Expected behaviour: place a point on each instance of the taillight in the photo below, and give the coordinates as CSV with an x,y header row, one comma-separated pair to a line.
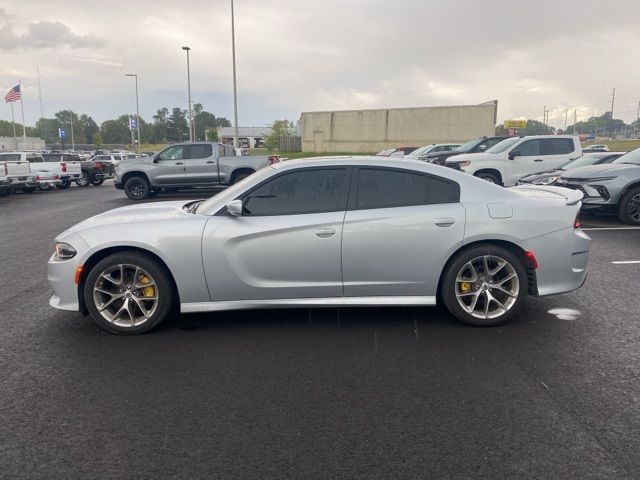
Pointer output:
x,y
56,177
273,159
576,223
37,178
533,263
98,165
64,166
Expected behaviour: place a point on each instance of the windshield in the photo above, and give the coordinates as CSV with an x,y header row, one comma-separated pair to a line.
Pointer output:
x,y
580,162
465,147
632,157
421,151
234,190
503,145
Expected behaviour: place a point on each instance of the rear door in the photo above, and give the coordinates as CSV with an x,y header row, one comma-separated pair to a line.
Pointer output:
x,y
286,245
170,166
400,228
558,151
202,163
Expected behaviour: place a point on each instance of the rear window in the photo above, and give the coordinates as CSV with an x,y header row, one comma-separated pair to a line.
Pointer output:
x,y
200,151
35,159
10,157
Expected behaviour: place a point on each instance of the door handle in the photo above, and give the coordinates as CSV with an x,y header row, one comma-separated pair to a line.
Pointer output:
x,y
211,161
444,222
178,163
538,160
326,232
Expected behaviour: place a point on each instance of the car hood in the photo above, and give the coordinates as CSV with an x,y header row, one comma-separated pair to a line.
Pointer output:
x,y
142,212
546,173
605,170
473,156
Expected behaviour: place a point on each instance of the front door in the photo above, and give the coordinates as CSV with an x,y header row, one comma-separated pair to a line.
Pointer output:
x,y
400,229
286,245
202,164
170,166
529,159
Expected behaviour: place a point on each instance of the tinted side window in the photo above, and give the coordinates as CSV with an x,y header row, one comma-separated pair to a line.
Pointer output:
x,y
200,151
10,157
380,188
559,146
441,190
35,159
491,142
529,148
307,191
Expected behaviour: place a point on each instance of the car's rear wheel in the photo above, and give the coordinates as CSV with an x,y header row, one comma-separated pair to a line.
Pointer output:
x,y
489,177
97,183
128,293
64,185
629,210
485,285
137,188
84,180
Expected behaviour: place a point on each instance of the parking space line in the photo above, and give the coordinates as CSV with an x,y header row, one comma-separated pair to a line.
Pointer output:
x,y
610,228
625,262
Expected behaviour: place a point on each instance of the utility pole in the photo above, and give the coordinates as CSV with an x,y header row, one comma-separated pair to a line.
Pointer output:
x,y
613,98
40,92
638,120
73,142
566,112
235,90
187,49
575,120
544,114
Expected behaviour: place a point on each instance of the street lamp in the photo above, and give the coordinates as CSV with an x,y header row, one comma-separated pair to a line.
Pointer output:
x,y
135,75
191,132
235,92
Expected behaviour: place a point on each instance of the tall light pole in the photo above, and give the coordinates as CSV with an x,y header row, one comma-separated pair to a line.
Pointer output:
x,y
235,89
187,49
135,75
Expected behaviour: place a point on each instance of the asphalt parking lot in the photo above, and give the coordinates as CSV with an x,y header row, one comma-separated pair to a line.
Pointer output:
x,y
355,393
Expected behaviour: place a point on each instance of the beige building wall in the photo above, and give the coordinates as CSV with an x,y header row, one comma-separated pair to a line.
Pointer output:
x,y
370,131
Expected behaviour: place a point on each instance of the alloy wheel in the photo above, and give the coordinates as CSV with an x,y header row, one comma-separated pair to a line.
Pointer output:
x,y
487,287
125,295
136,189
634,208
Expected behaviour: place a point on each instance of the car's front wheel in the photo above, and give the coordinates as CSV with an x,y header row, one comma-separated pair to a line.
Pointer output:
x,y
137,188
128,293
629,210
489,177
484,285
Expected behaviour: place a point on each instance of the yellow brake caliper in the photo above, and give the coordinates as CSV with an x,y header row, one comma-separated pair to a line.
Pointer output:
x,y
146,291
465,287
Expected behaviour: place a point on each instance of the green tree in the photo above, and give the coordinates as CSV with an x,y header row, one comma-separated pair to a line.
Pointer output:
x,y
116,131
212,135
160,126
97,140
178,126
89,126
278,128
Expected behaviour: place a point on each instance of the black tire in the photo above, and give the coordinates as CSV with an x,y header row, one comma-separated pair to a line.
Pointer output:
x,y
137,188
64,185
97,183
449,285
240,176
629,209
165,291
28,189
84,180
5,191
489,177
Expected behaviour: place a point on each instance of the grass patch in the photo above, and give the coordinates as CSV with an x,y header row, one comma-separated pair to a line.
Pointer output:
x,y
619,145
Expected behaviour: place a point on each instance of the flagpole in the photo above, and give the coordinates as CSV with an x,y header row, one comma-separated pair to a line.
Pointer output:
x,y
13,120
24,127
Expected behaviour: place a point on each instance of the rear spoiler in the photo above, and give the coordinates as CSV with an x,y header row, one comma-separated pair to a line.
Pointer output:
x,y
572,197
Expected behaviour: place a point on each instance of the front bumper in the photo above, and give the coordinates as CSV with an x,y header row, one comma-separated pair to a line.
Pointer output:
x,y
61,274
562,260
597,194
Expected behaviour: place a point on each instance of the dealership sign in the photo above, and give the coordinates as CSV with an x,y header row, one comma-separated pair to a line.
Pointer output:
x,y
515,124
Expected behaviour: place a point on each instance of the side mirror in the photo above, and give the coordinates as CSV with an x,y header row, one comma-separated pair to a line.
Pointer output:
x,y
234,207
514,154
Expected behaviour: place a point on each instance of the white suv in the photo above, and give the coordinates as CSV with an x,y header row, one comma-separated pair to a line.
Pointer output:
x,y
510,160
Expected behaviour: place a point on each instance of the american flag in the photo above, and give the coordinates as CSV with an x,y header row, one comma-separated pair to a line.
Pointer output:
x,y
13,95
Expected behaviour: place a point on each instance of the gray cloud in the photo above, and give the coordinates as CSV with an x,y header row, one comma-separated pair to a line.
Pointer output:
x,y
43,34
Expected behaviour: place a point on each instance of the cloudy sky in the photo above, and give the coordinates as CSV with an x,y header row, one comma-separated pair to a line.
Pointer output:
x,y
303,55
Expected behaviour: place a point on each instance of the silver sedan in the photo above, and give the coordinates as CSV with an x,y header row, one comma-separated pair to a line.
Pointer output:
x,y
330,232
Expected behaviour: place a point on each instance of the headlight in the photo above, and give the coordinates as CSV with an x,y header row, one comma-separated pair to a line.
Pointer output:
x,y
464,163
64,251
545,180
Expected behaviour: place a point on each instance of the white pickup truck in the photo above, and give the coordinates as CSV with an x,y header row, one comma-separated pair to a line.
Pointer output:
x,y
14,173
58,163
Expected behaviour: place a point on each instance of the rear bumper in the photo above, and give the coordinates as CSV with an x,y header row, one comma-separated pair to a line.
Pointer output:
x,y
562,260
67,177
